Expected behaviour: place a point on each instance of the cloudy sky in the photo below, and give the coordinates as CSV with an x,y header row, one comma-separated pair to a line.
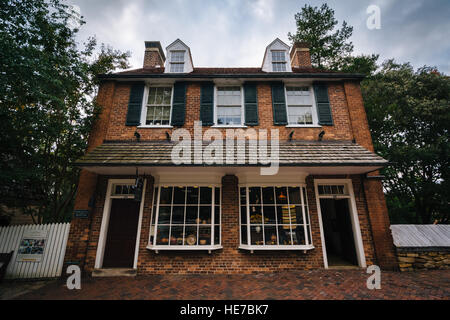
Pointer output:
x,y
227,33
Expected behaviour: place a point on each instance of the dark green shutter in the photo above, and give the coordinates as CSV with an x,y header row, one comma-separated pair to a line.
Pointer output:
x,y
207,104
179,104
323,104
251,104
279,104
135,104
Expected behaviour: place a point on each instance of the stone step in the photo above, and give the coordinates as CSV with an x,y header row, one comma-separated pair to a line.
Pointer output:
x,y
114,272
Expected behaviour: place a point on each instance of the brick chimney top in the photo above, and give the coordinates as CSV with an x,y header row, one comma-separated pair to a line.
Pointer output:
x,y
300,57
154,55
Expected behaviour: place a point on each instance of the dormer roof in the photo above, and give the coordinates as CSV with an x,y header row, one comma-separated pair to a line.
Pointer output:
x,y
179,45
276,45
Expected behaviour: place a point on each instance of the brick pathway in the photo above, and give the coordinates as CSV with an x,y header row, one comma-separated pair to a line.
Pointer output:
x,y
317,284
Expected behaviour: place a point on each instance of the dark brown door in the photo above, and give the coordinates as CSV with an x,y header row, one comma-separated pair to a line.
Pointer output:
x,y
346,230
122,231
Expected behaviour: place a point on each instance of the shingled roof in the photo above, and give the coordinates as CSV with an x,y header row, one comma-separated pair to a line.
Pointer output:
x,y
296,153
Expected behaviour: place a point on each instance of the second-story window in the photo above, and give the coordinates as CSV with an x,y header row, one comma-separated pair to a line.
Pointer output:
x,y
158,106
229,106
177,61
299,105
278,61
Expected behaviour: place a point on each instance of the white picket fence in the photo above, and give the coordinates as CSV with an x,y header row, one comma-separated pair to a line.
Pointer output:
x,y
51,263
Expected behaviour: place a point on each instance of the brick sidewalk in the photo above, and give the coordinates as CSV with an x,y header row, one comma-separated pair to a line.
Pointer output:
x,y
317,284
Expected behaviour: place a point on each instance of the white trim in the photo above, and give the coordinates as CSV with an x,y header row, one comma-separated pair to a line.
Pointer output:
x,y
315,116
242,125
145,106
184,248
276,247
359,247
105,221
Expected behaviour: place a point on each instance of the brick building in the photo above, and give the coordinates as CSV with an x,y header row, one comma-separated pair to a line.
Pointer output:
x,y
220,210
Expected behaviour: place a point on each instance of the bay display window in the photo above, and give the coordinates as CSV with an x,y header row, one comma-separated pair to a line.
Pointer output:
x,y
229,106
278,61
186,217
300,106
158,106
177,61
274,218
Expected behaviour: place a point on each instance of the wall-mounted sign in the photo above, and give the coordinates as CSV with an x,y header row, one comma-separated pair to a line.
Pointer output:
x,y
32,246
81,213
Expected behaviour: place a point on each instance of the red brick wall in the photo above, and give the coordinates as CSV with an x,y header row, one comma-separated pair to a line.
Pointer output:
x,y
152,58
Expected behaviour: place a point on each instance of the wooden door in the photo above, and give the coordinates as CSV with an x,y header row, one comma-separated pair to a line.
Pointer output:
x,y
122,231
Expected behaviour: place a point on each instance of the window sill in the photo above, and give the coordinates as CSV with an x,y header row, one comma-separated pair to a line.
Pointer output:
x,y
155,127
276,248
303,126
229,127
184,248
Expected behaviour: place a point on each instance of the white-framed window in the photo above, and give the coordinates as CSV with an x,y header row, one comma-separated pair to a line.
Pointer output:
x,y
300,105
157,109
186,218
274,217
229,102
177,61
278,61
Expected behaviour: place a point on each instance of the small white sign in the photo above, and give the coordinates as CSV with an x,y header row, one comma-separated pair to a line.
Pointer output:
x,y
32,245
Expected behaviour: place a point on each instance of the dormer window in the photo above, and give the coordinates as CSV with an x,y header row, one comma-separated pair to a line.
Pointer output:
x,y
278,61
177,61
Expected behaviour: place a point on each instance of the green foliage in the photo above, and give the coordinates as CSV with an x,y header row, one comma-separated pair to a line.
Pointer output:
x,y
409,117
316,26
47,106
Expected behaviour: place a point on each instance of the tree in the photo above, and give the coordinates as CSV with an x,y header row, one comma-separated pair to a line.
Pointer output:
x,y
47,105
316,26
409,115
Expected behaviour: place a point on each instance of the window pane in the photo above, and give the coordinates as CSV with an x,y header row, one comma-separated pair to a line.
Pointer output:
x,y
191,214
204,236
255,215
177,56
255,195
164,215
162,237
217,235
296,214
176,236
294,195
284,235
176,67
269,214
244,234
278,66
217,215
268,195
179,195
243,196
243,215
281,194
190,236
205,195
256,235
151,95
178,215
298,235
300,114
192,195
217,195
283,215
278,56
205,215
166,195
270,235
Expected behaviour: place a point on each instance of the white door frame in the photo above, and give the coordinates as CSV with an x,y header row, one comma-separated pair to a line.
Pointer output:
x,y
105,221
359,247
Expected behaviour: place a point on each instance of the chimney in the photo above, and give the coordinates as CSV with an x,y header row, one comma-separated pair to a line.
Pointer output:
x,y
154,55
300,57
